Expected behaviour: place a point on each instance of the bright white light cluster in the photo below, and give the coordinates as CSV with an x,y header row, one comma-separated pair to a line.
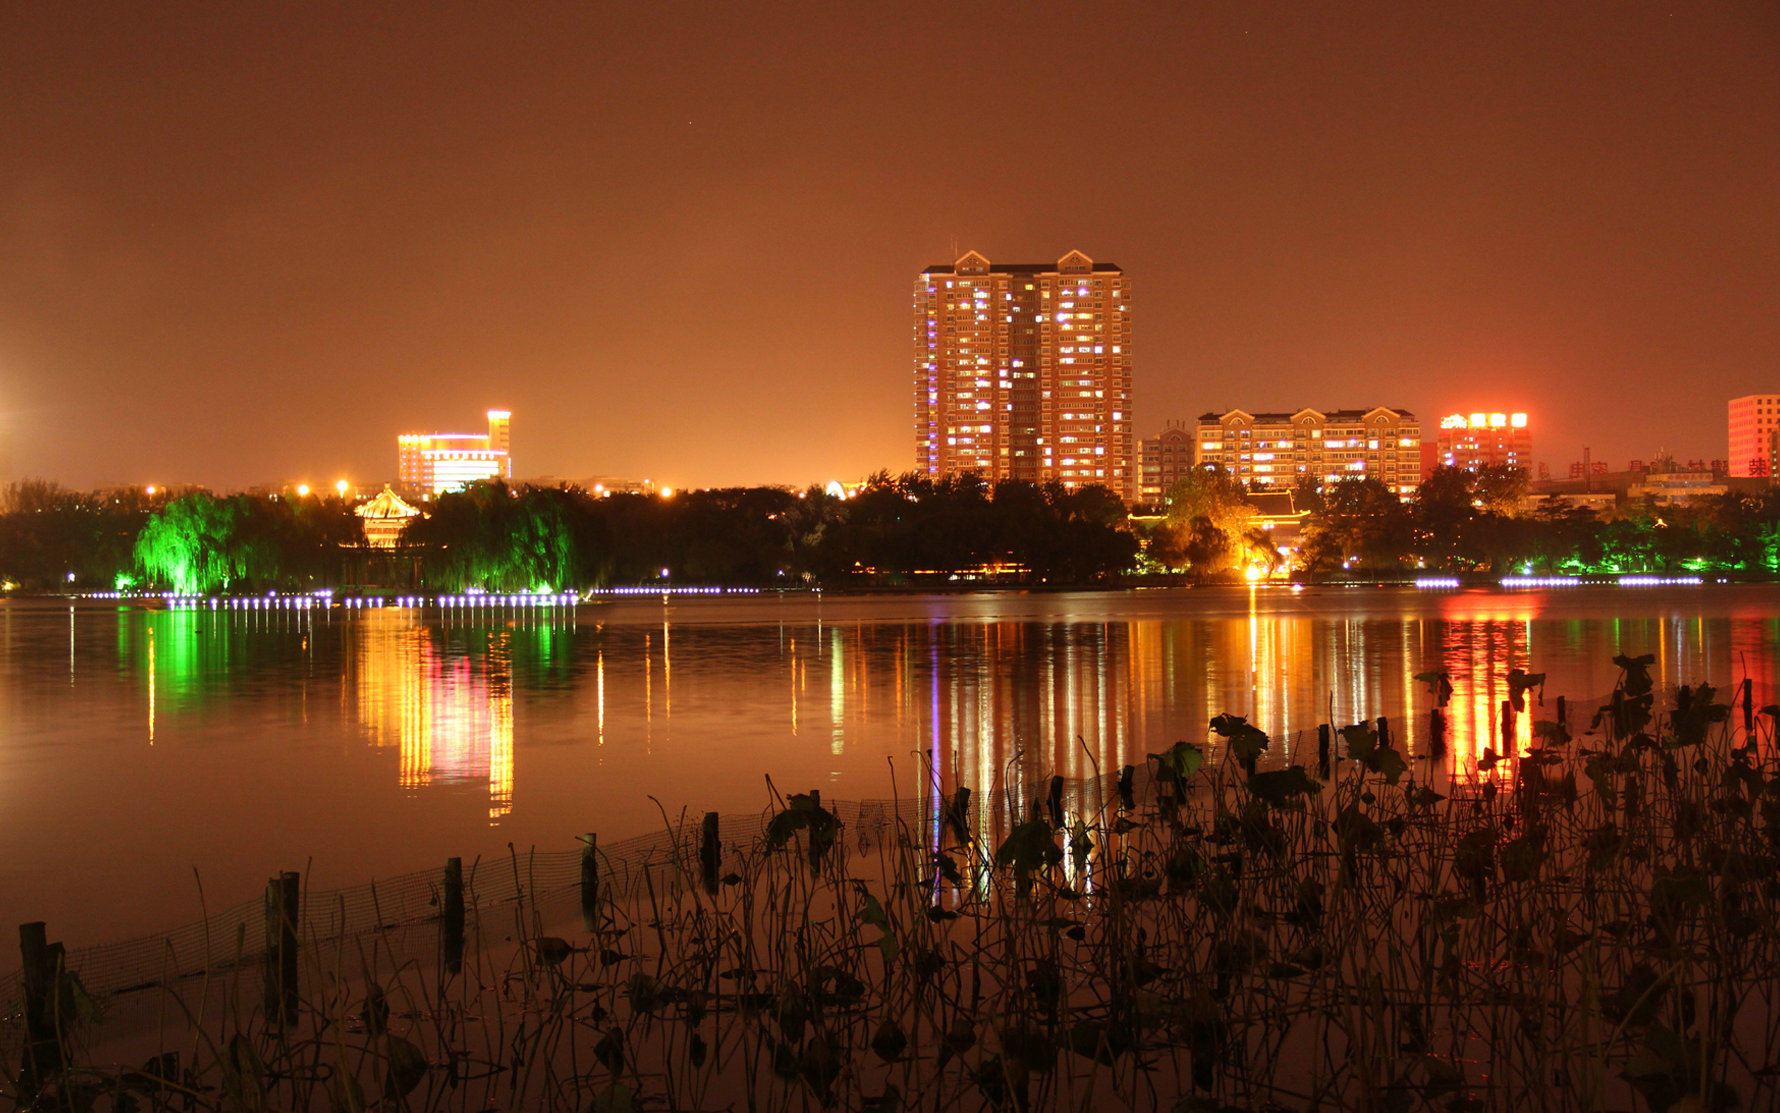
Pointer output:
x,y
256,603
483,599
1540,581
1660,581
1436,583
271,601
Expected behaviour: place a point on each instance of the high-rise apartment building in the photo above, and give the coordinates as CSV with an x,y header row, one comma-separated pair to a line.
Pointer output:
x,y
1755,435
1276,449
429,464
1023,371
1484,440
1163,459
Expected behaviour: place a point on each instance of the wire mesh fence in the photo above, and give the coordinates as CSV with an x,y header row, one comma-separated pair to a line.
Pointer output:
x,y
235,938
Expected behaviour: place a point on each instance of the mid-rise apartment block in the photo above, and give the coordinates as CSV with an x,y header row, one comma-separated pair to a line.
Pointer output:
x,y
1278,449
1023,371
1484,440
1164,459
429,464
1755,435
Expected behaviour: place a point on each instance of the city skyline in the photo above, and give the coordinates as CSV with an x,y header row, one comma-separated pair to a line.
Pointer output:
x,y
240,238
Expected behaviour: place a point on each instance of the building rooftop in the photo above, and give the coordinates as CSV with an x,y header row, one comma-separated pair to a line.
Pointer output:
x,y
1326,415
1272,504
1021,268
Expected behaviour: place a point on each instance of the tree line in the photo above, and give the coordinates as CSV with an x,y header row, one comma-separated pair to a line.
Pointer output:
x,y
1458,522
894,530
906,530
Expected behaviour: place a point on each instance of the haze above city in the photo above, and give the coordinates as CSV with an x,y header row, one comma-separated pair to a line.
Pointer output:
x,y
250,244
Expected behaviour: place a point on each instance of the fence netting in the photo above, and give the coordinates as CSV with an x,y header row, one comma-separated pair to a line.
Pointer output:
x,y
234,939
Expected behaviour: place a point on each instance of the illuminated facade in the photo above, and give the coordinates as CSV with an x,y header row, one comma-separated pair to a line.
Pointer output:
x,y
1164,458
429,464
1485,440
1755,435
1278,449
1023,371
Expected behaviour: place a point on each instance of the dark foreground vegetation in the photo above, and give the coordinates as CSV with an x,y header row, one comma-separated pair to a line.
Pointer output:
x,y
1590,925
894,531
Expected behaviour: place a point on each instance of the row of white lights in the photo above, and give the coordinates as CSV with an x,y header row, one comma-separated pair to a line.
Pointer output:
x,y
674,591
1437,583
272,601
246,603
480,599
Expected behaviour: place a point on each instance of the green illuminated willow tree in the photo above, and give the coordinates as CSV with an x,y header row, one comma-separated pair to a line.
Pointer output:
x,y
503,538
188,544
199,542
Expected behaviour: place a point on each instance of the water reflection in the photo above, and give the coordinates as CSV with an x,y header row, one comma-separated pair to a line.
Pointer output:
x,y
444,702
439,694
1482,639
1005,704
387,738
988,699
993,702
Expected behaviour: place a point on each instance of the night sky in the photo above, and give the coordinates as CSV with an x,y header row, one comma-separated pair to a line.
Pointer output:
x,y
249,243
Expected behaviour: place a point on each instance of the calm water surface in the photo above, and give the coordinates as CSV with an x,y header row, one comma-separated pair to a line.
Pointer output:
x,y
142,750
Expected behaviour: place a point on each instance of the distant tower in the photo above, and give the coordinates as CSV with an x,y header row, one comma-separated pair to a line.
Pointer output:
x,y
1485,440
1023,371
500,437
1755,435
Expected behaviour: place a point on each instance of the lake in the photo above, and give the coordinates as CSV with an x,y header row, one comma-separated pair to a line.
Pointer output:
x,y
144,750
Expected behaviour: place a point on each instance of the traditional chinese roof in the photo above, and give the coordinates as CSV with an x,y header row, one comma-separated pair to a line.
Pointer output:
x,y
1272,504
387,505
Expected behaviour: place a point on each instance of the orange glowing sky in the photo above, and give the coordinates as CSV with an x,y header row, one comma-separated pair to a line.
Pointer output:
x,y
249,243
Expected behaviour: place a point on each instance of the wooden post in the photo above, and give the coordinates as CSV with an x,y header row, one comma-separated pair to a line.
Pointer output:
x,y
1436,733
1126,776
1384,732
43,1049
1054,802
283,894
451,918
1562,713
590,881
818,848
957,814
1507,728
710,855
1322,751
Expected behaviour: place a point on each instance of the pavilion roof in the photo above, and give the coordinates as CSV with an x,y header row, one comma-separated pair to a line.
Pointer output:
x,y
387,504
